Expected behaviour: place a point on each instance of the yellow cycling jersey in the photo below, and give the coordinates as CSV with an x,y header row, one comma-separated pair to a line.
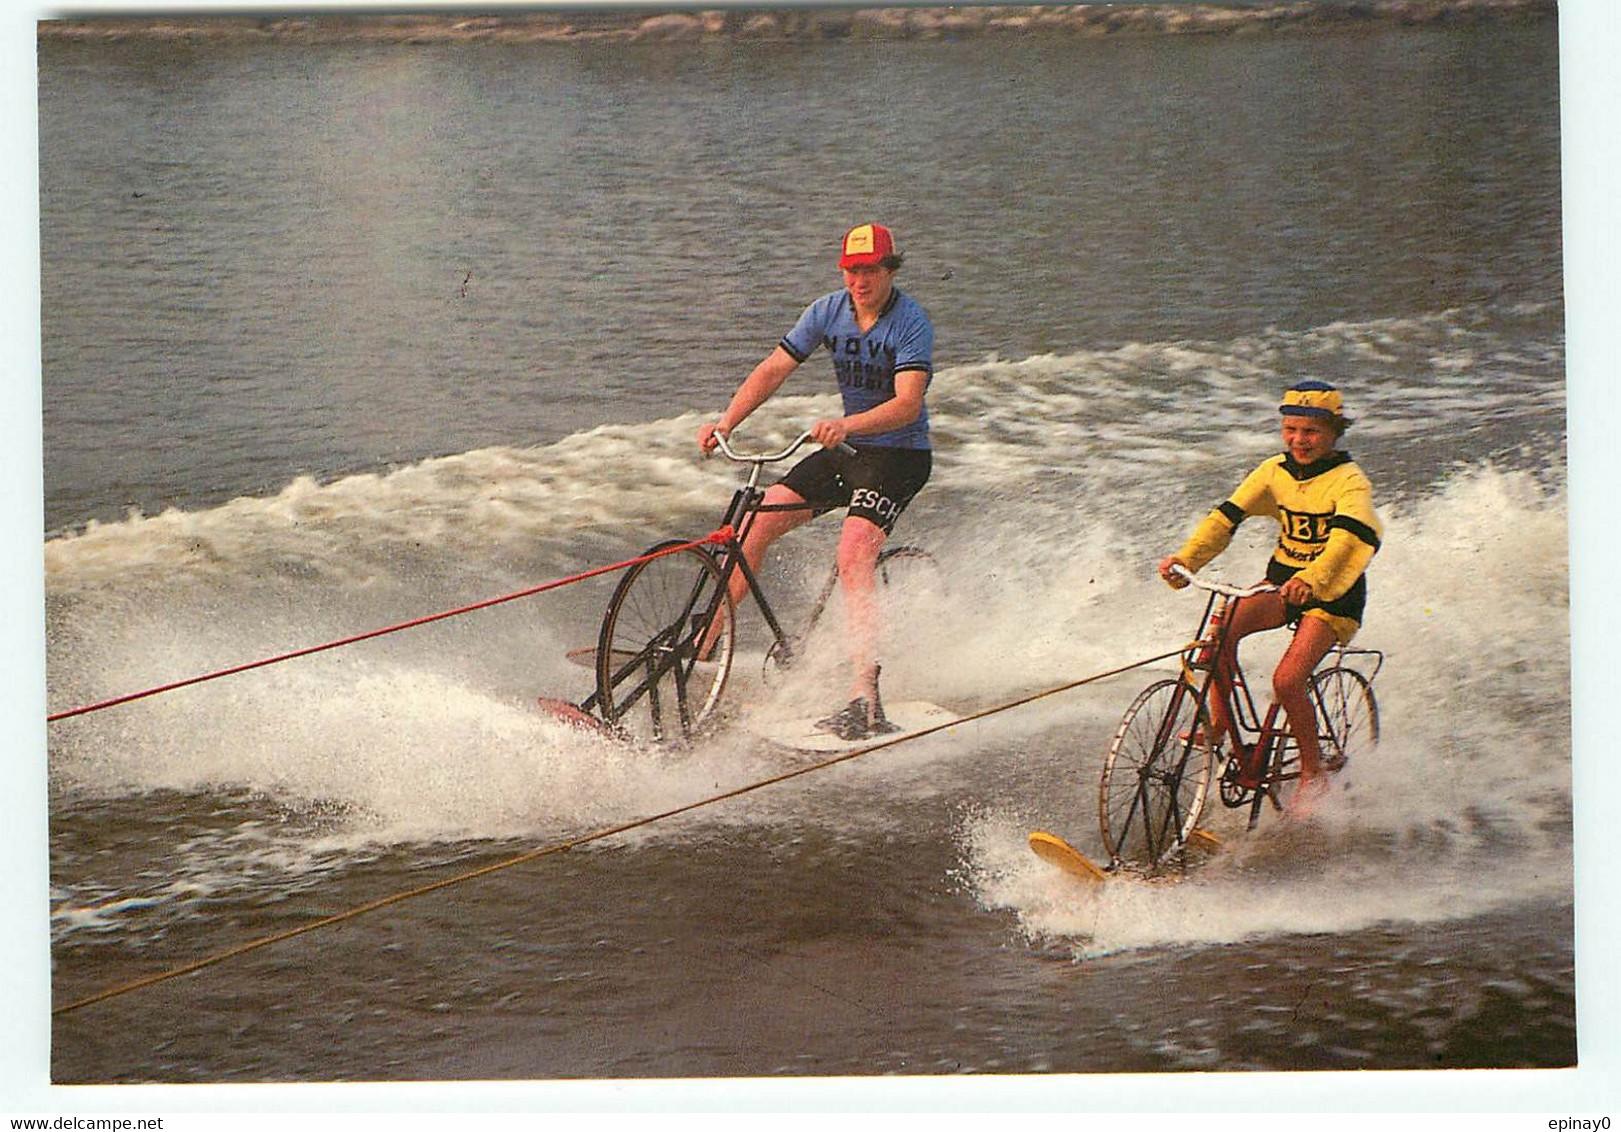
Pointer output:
x,y
1327,529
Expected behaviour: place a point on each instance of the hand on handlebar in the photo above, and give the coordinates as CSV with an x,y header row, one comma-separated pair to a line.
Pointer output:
x,y
1174,580
830,433
1295,591
707,434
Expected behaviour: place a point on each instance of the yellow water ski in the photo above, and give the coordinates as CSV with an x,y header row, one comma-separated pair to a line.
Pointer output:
x,y
1056,851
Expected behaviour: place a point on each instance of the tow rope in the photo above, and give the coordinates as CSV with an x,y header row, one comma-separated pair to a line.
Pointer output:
x,y
715,537
585,839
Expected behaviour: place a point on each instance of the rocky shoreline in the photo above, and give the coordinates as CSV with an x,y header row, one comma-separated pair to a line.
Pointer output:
x,y
803,23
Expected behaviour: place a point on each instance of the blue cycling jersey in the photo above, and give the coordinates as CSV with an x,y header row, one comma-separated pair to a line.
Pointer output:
x,y
866,364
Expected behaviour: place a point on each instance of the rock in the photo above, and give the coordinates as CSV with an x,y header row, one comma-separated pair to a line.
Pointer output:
x,y
807,23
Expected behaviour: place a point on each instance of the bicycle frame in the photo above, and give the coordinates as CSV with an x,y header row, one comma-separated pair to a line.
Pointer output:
x,y
746,505
1243,716
1245,720
1157,772
668,638
666,652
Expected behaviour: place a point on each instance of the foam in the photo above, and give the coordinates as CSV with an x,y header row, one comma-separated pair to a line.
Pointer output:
x,y
1060,480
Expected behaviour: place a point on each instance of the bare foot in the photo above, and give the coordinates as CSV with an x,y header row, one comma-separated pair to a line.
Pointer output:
x,y
1308,795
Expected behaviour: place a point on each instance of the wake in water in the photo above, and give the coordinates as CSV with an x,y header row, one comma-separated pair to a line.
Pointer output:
x,y
1061,479
1463,808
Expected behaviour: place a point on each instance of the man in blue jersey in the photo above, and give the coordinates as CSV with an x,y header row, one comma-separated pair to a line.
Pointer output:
x,y
882,347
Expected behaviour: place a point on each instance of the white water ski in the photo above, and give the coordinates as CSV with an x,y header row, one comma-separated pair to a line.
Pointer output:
x,y
910,716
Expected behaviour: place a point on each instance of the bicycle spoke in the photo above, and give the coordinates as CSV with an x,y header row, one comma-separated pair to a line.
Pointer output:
x,y
649,681
1155,775
1347,715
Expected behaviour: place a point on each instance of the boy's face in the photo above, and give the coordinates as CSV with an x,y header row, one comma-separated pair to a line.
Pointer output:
x,y
1308,439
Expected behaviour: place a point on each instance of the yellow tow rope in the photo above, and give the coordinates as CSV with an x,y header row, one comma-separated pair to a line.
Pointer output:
x,y
584,839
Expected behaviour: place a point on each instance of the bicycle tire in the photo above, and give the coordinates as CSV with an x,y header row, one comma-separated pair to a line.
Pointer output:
x,y
894,559
1155,777
1347,715
911,587
650,683
904,574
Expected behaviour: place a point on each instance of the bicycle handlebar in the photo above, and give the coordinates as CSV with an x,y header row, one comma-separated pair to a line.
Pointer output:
x,y
1221,587
761,458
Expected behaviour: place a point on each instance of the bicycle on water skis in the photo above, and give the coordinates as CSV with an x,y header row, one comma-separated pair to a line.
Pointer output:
x,y
668,638
1157,773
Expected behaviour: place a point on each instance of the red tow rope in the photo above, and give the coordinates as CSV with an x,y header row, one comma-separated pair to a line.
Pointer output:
x,y
721,535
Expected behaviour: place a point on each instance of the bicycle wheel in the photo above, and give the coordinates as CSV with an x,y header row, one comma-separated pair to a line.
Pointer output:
x,y
910,569
1347,726
1156,775
1347,715
910,585
911,592
650,682
910,582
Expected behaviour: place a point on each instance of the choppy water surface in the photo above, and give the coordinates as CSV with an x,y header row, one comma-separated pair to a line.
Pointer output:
x,y
361,333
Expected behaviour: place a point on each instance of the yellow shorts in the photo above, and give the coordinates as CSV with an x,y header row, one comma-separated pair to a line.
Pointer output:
x,y
1344,627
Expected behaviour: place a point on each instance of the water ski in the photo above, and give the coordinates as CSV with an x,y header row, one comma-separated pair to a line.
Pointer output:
x,y
909,716
572,715
585,657
1056,851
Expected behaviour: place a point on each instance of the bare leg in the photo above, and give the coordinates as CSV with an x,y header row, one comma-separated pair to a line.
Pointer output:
x,y
1247,615
1312,641
860,542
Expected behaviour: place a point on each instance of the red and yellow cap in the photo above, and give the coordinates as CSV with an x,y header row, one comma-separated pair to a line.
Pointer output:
x,y
1312,399
866,244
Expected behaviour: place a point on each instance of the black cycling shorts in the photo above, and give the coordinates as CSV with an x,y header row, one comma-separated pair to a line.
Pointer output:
x,y
1349,605
876,483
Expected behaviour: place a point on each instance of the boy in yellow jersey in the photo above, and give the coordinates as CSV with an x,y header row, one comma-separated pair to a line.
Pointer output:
x,y
1328,533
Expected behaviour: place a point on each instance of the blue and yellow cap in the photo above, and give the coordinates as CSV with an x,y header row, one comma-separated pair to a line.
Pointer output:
x,y
1313,399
